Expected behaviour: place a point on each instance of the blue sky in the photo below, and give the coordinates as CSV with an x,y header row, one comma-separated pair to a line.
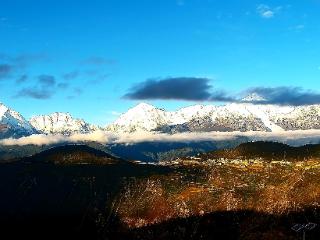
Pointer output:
x,y
84,56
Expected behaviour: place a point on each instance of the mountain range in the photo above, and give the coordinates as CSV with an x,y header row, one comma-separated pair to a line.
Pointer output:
x,y
243,117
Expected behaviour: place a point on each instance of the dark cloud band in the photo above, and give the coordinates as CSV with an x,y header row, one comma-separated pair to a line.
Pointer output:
x,y
293,96
5,70
199,89
45,88
183,88
34,93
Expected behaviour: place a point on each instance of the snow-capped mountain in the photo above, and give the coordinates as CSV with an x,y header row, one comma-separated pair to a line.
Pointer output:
x,y
300,118
143,117
253,97
60,123
12,124
243,116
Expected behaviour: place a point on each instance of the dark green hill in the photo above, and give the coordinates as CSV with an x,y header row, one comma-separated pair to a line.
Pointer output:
x,y
266,151
73,154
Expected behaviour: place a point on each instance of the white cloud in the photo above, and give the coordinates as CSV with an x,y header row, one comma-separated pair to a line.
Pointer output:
x,y
42,139
298,137
36,139
266,11
267,14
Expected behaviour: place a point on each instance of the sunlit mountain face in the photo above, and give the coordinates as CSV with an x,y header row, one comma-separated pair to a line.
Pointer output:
x,y
178,119
242,117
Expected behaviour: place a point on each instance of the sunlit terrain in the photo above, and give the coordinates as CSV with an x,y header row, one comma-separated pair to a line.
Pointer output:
x,y
277,188
79,191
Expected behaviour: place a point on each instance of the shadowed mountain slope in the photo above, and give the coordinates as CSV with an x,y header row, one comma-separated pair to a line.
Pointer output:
x,y
266,151
73,154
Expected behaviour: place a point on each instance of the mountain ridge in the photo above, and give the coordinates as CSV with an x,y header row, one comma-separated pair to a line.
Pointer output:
x,y
265,150
61,123
240,117
13,124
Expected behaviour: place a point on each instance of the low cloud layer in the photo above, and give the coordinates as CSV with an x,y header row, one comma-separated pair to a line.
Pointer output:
x,y
42,139
299,137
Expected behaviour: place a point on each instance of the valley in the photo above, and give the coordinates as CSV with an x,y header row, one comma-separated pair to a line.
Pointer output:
x,y
78,191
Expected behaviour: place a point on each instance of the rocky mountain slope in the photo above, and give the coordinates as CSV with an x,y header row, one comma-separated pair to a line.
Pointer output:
x,y
13,124
243,117
60,123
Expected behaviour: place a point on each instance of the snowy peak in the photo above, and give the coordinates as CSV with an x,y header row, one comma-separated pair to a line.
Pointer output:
x,y
143,117
254,97
60,123
13,124
143,107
